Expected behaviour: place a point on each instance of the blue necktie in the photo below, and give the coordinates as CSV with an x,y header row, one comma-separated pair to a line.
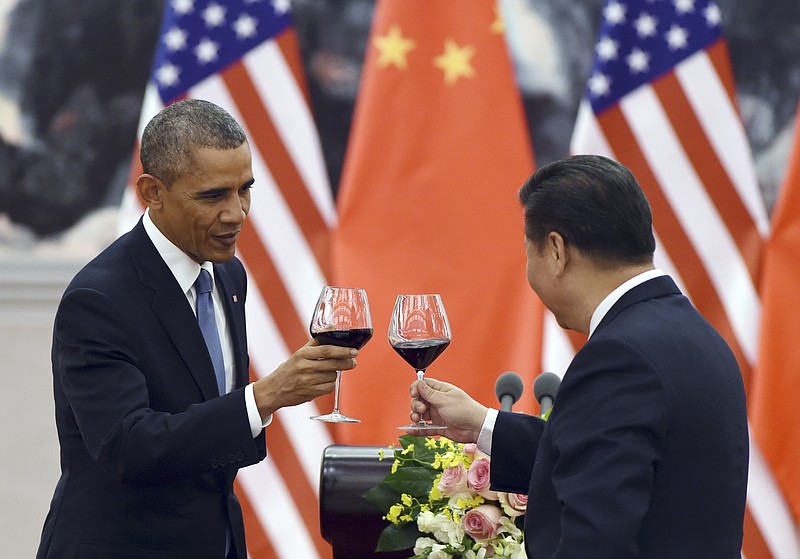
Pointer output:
x,y
208,326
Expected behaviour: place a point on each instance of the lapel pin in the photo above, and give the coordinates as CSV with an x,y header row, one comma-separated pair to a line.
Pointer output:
x,y
235,299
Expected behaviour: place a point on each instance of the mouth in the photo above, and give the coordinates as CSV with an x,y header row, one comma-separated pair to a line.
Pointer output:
x,y
227,239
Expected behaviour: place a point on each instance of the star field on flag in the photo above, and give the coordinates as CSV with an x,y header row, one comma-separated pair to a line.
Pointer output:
x,y
200,38
639,41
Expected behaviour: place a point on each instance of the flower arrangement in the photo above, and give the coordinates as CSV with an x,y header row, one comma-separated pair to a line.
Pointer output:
x,y
438,502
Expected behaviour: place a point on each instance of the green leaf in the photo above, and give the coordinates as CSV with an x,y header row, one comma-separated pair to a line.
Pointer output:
x,y
414,480
395,538
382,496
407,440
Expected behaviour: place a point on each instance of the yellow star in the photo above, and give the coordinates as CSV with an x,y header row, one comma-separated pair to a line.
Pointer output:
x,y
498,26
394,48
455,62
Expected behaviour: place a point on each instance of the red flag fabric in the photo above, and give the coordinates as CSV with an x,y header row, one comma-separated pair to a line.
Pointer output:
x,y
244,56
427,204
774,414
661,100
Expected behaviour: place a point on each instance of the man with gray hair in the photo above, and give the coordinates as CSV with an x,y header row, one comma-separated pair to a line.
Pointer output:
x,y
154,409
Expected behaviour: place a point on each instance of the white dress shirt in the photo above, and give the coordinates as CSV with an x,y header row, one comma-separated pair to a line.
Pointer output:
x,y
186,271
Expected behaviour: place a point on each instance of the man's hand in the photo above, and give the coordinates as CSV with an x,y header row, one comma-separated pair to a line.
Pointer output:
x,y
309,373
446,404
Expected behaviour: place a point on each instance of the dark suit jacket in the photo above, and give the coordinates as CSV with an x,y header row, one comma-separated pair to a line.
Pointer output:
x,y
149,451
646,448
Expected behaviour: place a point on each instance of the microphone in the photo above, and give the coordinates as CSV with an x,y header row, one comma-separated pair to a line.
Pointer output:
x,y
544,388
508,388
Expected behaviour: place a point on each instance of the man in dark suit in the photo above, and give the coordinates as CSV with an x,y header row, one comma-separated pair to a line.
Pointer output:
x,y
151,433
645,451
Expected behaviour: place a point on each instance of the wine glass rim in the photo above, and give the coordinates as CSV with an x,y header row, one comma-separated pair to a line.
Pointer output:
x,y
343,287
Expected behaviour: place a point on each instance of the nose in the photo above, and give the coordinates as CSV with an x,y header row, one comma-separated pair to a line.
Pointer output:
x,y
235,210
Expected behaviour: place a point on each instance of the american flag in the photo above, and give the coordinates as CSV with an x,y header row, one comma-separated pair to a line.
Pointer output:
x,y
661,100
243,55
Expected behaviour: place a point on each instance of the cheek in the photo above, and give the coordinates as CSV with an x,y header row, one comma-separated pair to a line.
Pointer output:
x,y
529,270
204,218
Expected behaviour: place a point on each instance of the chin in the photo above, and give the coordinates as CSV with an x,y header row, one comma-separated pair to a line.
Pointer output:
x,y
221,256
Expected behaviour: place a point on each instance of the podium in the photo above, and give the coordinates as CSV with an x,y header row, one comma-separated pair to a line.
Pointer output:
x,y
350,523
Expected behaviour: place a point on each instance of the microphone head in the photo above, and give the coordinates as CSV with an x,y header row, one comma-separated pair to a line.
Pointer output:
x,y
509,384
546,384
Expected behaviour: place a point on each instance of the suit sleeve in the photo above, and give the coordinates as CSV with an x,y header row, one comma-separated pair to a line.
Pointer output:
x,y
515,440
99,360
607,430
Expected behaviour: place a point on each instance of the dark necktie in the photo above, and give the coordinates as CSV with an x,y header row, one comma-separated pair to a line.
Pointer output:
x,y
208,326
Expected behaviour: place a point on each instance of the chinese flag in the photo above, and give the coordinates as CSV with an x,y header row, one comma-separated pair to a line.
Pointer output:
x,y
774,411
428,204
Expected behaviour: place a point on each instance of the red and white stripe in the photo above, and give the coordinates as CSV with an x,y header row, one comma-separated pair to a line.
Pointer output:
x,y
284,249
682,137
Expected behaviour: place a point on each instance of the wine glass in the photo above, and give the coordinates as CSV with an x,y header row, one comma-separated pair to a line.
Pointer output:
x,y
341,318
419,331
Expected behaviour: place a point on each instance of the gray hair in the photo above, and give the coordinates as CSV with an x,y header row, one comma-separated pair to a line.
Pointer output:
x,y
170,138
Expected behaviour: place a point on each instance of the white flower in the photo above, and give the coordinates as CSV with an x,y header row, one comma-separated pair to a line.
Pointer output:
x,y
515,550
429,522
442,528
452,533
510,547
438,553
432,548
507,526
471,554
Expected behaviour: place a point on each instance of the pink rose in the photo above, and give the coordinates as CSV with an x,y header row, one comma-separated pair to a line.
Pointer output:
x,y
478,478
482,523
454,480
514,504
470,448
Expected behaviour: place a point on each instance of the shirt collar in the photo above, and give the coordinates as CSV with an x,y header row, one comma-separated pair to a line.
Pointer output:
x,y
606,304
182,267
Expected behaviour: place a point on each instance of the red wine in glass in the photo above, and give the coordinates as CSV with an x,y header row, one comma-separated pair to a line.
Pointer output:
x,y
421,353
355,337
341,318
419,332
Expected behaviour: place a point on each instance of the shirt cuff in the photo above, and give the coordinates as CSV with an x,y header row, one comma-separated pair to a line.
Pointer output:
x,y
487,430
256,425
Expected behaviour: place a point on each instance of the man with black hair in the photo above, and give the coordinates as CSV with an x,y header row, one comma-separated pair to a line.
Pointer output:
x,y
645,451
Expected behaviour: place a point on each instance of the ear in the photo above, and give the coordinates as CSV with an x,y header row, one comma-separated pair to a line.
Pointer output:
x,y
149,188
557,251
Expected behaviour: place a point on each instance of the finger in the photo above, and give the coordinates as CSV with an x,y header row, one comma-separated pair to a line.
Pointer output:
x,y
431,384
331,352
425,390
326,387
316,366
344,364
418,407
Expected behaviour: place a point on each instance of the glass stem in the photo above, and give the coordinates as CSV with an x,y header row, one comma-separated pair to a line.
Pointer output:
x,y
421,376
336,393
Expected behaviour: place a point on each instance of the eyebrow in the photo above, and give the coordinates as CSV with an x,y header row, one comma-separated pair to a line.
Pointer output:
x,y
220,189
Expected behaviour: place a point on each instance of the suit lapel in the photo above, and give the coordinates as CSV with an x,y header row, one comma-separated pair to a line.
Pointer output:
x,y
233,303
173,311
